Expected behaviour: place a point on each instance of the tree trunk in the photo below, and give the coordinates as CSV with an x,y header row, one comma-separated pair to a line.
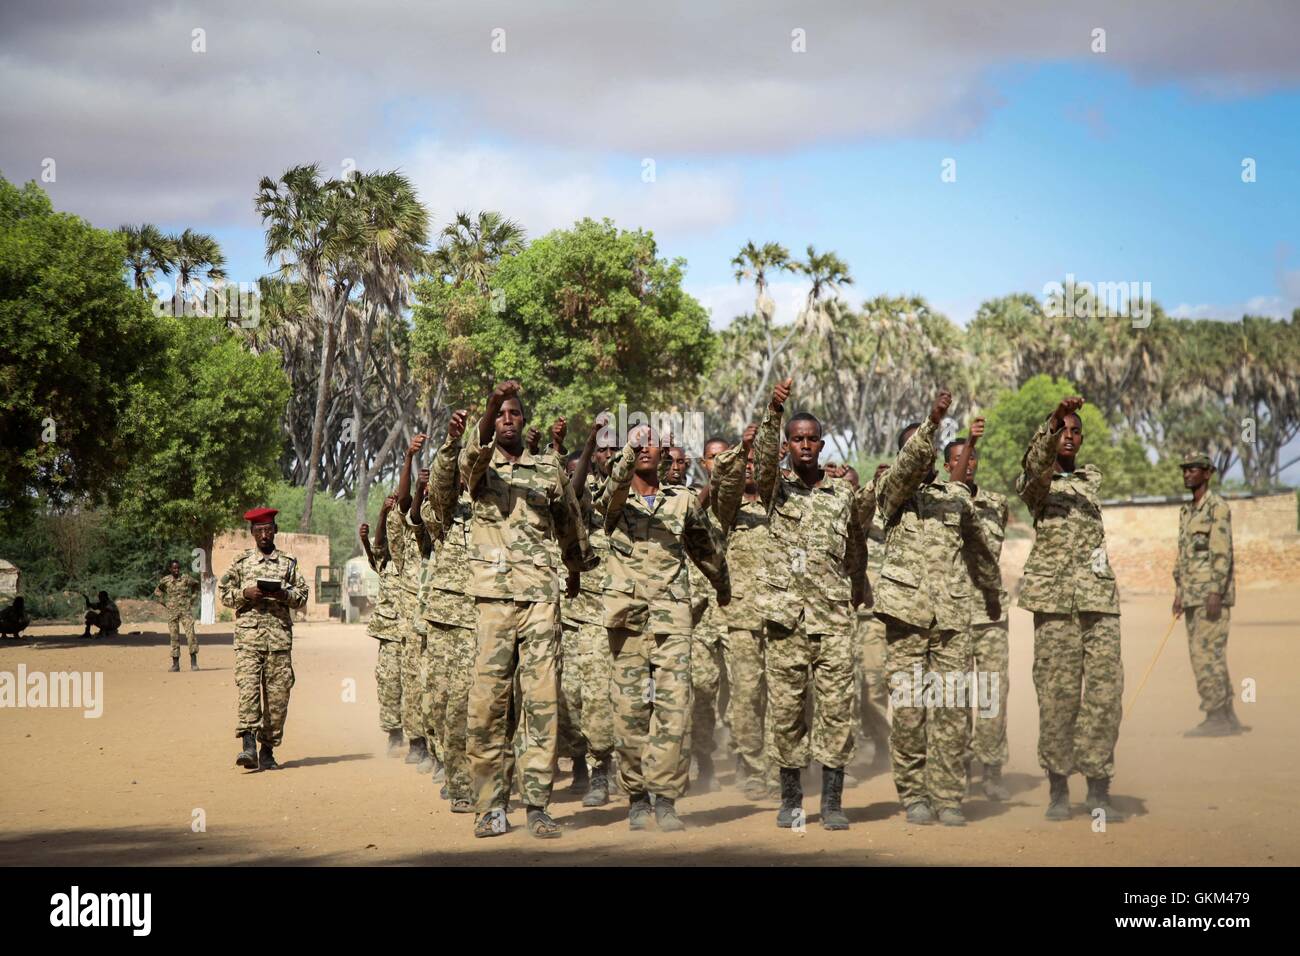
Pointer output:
x,y
208,585
322,396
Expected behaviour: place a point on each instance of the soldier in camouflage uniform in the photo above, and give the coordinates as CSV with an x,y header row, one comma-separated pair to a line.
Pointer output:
x,y
1070,588
1204,590
448,614
383,627
816,567
872,723
406,549
652,530
935,547
263,586
990,650
525,524
176,592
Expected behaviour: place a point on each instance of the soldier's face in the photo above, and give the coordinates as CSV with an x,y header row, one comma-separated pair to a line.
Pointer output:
x,y
510,422
750,487
175,569
805,441
264,536
971,466
677,467
601,457
1194,476
1071,437
711,451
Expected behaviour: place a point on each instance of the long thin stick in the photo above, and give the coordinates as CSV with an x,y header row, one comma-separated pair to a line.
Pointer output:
x,y
1150,667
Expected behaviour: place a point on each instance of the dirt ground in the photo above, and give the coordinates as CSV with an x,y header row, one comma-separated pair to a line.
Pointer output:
x,y
124,789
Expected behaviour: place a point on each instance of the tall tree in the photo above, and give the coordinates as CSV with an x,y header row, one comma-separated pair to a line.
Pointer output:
x,y
471,247
195,256
753,263
148,252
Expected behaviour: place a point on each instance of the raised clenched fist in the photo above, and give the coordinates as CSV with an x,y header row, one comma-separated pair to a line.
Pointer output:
x,y
456,427
939,409
781,394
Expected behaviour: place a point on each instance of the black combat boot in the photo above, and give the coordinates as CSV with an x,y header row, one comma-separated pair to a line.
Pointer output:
x,y
833,817
666,815
791,798
706,782
1215,724
598,791
395,741
1058,801
418,751
266,759
176,665
1099,799
581,779
639,811
993,787
194,662
248,756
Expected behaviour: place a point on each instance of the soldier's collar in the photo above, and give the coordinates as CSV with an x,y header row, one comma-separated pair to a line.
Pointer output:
x,y
500,457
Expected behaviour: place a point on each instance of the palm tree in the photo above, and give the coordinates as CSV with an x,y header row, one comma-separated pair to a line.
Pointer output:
x,y
148,252
471,248
195,255
827,273
753,262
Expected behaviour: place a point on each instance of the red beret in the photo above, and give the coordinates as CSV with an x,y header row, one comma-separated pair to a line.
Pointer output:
x,y
257,515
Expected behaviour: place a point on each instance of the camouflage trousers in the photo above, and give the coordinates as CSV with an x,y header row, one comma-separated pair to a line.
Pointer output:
x,y
1079,678
174,625
388,682
1208,643
264,679
514,639
742,653
452,675
872,699
652,711
596,675
798,664
928,691
706,681
990,653
415,667
571,743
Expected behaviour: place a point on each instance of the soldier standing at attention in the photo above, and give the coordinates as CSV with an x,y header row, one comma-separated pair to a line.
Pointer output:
x,y
177,593
935,546
383,627
404,546
816,568
1070,588
263,587
1205,591
652,530
988,641
525,524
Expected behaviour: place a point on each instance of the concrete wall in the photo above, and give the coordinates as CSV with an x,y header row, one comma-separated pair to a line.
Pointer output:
x,y
1142,540
310,550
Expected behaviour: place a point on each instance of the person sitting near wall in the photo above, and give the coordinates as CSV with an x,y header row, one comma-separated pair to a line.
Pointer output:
x,y
102,614
14,619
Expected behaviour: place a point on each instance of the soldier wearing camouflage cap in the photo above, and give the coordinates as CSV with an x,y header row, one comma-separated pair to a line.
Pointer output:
x,y
1204,591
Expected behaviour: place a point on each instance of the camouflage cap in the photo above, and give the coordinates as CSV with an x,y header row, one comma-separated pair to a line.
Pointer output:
x,y
1197,459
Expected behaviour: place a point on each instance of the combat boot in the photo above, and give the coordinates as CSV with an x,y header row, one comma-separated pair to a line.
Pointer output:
x,y
1099,799
248,756
791,798
666,815
395,741
598,790
1237,725
952,817
266,759
706,782
1058,801
194,662
428,763
638,811
993,788
1215,724
919,814
833,817
418,750
581,778
176,665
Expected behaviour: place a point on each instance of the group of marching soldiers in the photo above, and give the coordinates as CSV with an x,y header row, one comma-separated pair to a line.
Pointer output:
x,y
537,604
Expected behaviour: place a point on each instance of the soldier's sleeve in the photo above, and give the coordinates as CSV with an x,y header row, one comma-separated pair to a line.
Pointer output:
x,y
767,457
1220,547
865,502
440,504
1036,465
704,546
395,522
570,529
613,496
474,461
1178,555
914,461
297,590
981,557
158,591
727,487
232,594
855,551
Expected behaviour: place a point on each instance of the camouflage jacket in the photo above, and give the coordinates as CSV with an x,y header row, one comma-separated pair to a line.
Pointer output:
x,y
875,542
747,548
646,585
447,512
177,593
589,606
817,543
267,623
404,547
992,510
1204,564
935,545
525,524
1068,568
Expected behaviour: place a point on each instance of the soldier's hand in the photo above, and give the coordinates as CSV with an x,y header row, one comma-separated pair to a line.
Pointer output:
x,y
504,390
639,437
724,595
390,503
602,421
533,439
423,478
780,394
940,407
364,530
976,430
417,443
747,439
253,593
1213,606
880,471
1068,406
572,584
1178,606
993,605
456,427
559,428
859,595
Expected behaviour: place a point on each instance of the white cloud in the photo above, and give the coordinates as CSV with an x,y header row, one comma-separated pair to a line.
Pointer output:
x,y
729,300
